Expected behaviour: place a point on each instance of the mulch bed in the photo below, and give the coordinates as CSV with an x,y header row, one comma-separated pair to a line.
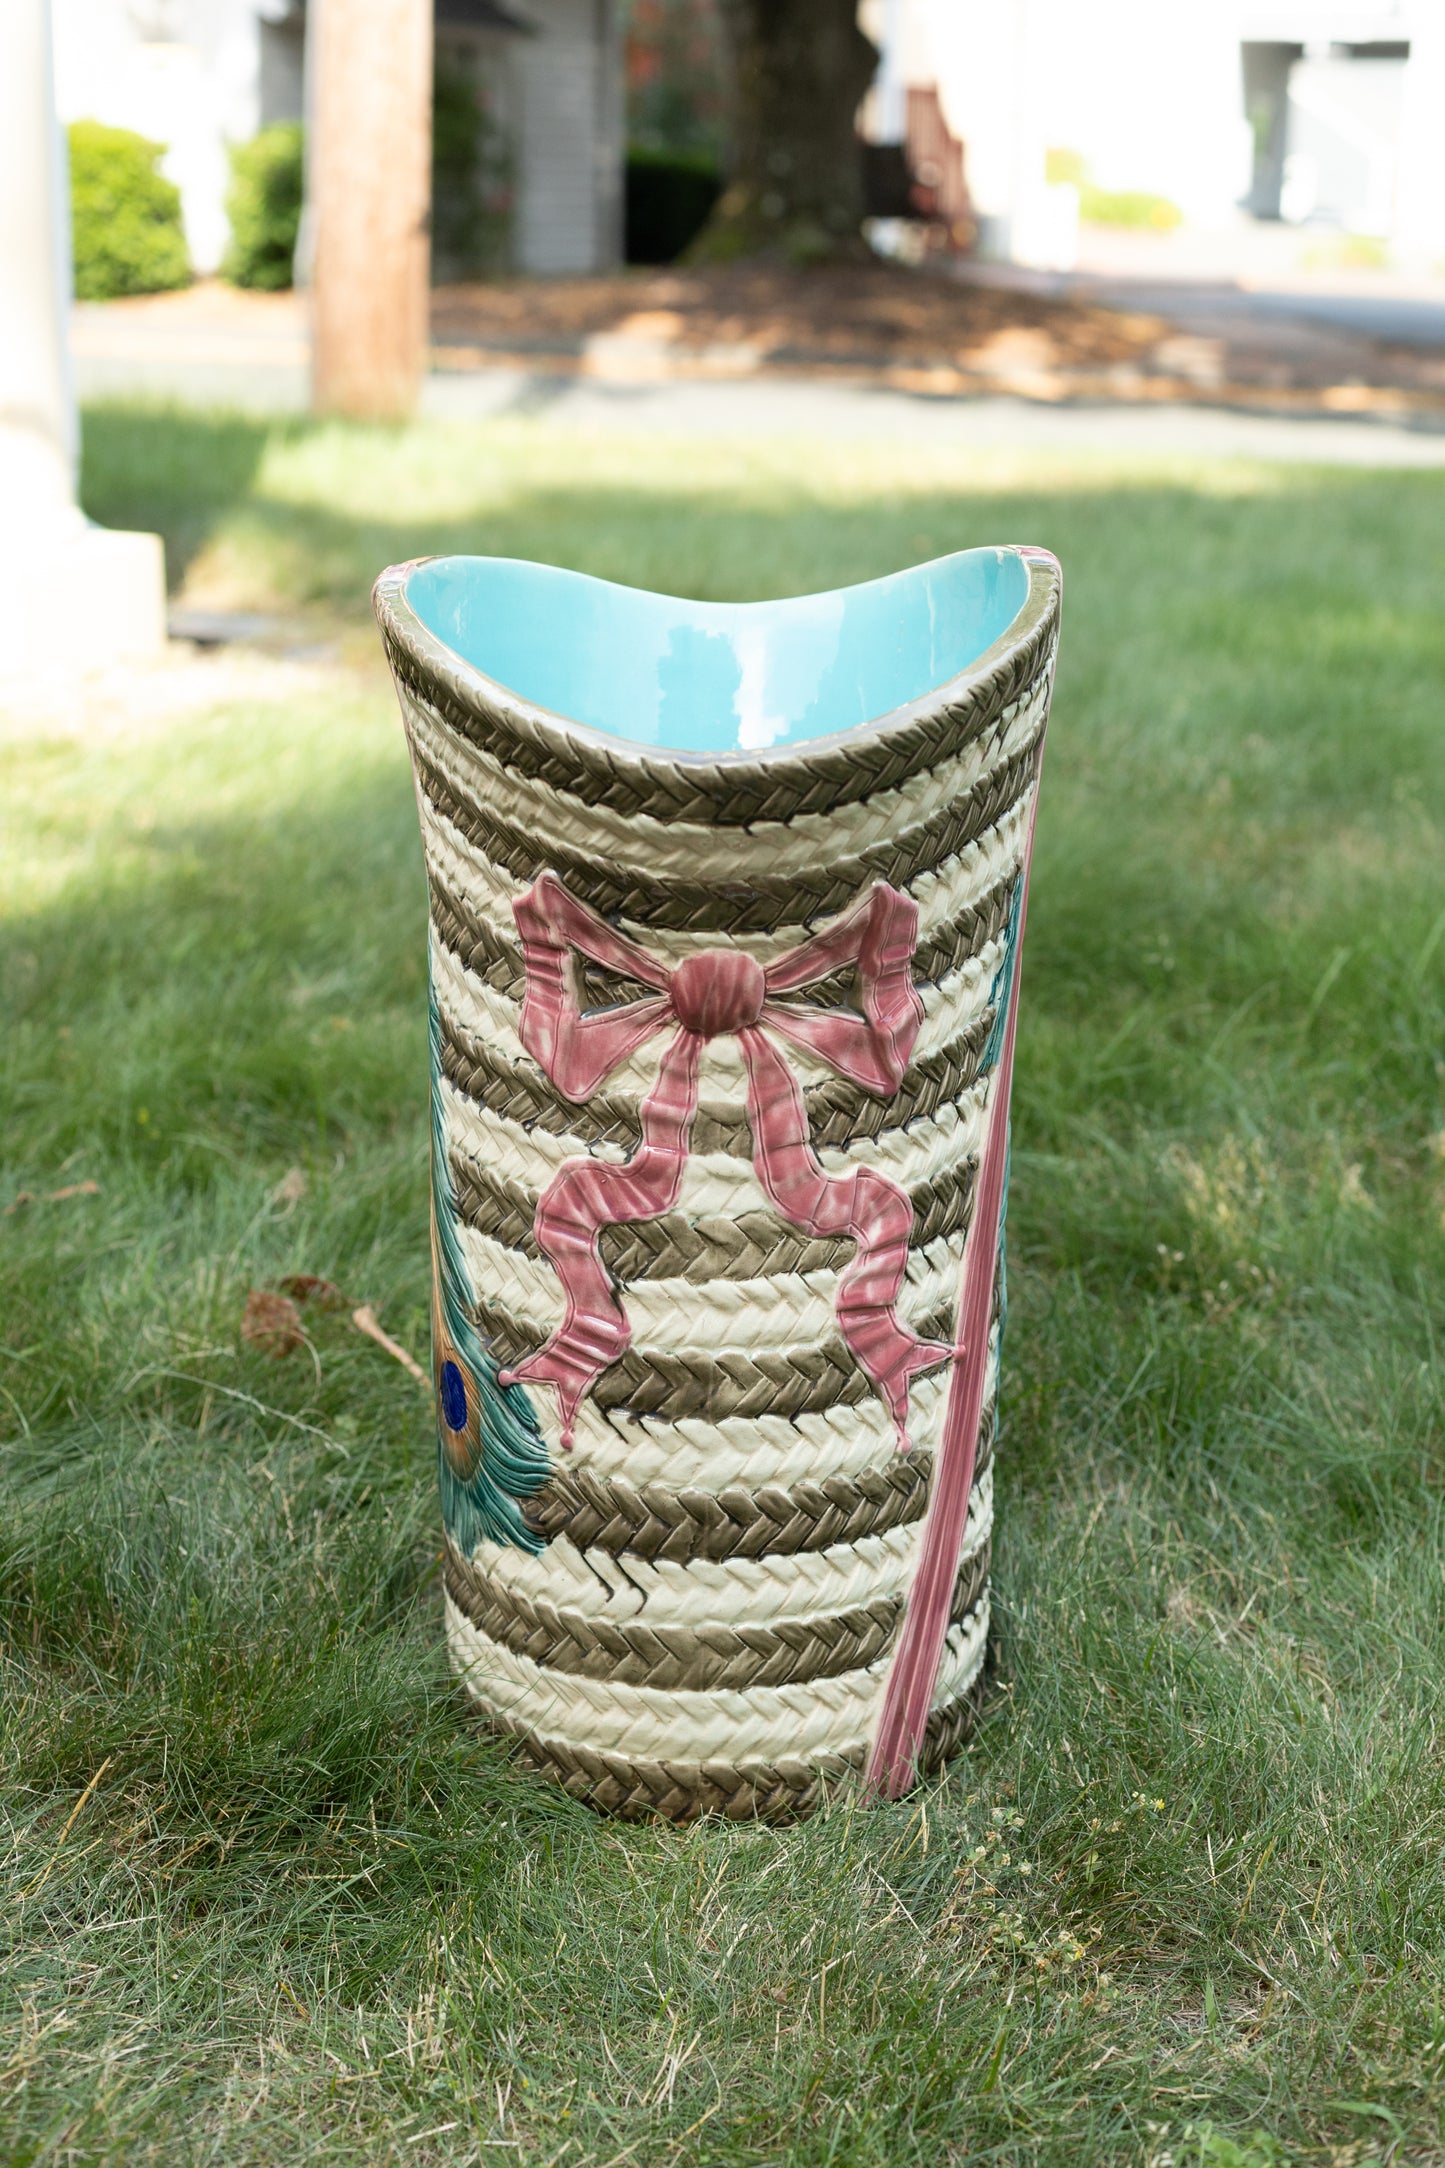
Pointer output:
x,y
865,314
918,330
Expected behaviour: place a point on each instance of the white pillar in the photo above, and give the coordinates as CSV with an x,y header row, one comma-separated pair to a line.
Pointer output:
x,y
890,84
992,60
76,596
1420,218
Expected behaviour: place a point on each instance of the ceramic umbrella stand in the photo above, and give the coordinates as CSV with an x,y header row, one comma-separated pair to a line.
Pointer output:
x,y
726,911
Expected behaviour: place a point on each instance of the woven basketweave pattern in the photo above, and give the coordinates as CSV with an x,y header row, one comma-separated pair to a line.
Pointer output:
x,y
724,1549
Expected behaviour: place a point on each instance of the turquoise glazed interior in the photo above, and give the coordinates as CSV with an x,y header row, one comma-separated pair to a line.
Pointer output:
x,y
718,677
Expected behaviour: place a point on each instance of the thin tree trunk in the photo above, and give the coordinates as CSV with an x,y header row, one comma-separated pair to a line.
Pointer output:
x,y
369,184
800,68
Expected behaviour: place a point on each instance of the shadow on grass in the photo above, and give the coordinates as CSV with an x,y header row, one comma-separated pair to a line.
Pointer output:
x,y
252,980
1266,567
169,472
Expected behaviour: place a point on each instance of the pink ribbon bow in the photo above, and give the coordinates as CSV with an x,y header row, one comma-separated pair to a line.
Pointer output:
x,y
714,993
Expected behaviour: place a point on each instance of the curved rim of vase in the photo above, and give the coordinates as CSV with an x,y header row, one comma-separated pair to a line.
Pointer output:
x,y
1030,628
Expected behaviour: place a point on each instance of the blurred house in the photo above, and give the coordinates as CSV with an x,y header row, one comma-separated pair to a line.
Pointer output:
x,y
200,75
1322,112
550,74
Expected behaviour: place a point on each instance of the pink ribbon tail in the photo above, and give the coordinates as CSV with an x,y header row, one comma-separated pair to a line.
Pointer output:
x,y
913,1673
586,1195
863,1203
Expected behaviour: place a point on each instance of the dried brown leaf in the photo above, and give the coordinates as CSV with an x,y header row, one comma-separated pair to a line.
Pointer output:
x,y
310,1287
272,1323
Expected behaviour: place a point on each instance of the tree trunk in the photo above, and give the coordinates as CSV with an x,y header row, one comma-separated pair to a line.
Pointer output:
x,y
369,187
800,68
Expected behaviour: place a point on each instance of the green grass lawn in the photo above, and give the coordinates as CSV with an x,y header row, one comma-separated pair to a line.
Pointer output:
x,y
268,1896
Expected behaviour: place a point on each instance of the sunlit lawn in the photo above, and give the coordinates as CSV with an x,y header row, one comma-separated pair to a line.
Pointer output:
x,y
268,1897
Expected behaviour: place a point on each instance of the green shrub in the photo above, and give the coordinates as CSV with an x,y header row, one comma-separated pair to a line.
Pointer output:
x,y
1127,207
126,233
669,195
1110,206
1061,165
264,207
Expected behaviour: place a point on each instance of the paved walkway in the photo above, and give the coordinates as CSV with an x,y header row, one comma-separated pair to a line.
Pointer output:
x,y
248,352
786,407
1399,319
1248,270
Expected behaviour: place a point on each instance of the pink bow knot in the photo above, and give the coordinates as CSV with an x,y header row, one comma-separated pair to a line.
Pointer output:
x,y
715,993
721,990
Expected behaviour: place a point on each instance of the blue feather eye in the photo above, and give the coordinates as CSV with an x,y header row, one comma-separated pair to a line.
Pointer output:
x,y
453,1397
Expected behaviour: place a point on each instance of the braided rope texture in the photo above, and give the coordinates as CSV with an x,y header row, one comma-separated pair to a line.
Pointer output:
x,y
789,1381
930,799
838,1112
784,1789
720,907
605,1513
686,1658
753,1246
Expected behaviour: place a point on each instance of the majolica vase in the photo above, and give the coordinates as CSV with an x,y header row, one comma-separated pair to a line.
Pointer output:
x,y
726,911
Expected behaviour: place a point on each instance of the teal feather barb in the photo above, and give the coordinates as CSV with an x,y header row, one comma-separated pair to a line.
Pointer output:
x,y
490,1452
1003,980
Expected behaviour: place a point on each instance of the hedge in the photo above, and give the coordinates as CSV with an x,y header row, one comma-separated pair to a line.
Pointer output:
x,y
264,206
668,198
126,232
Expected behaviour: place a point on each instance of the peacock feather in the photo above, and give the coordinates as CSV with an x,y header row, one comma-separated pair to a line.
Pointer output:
x,y
490,1453
1003,980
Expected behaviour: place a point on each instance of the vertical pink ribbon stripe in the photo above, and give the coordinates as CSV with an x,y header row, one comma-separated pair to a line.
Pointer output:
x,y
913,1673
713,993
908,1690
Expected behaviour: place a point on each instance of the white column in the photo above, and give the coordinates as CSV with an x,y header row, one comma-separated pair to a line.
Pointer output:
x,y
977,52
1420,218
76,596
993,60
37,419
890,84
